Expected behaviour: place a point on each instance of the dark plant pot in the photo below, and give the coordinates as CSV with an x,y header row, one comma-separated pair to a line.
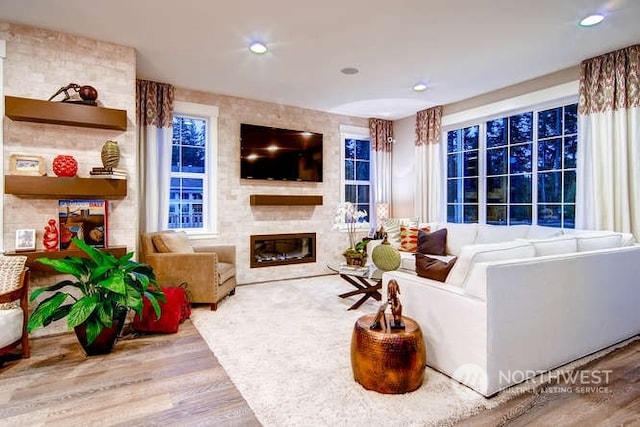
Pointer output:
x,y
104,343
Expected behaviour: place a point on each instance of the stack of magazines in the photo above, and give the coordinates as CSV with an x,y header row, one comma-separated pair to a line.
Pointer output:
x,y
108,172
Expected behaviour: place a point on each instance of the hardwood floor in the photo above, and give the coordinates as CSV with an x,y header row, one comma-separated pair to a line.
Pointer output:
x,y
615,401
148,380
171,380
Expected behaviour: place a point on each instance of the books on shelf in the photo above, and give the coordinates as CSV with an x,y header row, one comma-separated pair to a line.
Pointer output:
x,y
107,175
84,219
108,172
108,169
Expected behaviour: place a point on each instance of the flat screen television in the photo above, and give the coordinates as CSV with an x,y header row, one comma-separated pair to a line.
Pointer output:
x,y
270,153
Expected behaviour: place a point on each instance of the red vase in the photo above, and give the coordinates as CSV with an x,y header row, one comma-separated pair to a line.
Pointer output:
x,y
64,165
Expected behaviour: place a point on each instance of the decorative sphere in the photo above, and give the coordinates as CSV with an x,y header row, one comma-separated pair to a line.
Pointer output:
x,y
65,165
88,93
385,256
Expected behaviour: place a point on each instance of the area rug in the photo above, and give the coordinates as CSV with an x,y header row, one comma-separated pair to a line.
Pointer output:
x,y
286,347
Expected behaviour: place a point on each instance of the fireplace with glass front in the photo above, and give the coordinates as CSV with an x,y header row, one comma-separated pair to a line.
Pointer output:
x,y
281,249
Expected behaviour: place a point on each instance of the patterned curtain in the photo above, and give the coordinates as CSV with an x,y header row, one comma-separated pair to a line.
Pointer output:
x,y
429,202
381,133
154,113
608,166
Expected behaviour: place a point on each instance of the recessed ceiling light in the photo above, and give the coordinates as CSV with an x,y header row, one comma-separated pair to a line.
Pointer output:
x,y
591,20
419,87
258,47
350,70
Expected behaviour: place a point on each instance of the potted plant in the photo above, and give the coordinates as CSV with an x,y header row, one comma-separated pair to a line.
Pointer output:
x,y
107,287
348,216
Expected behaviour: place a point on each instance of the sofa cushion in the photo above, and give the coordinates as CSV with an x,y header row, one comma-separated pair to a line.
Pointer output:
x,y
501,233
541,232
432,268
177,242
392,228
434,243
554,245
459,235
472,254
598,241
409,237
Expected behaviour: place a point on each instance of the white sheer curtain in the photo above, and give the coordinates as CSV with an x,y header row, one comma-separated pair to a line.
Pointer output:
x,y
608,154
155,118
429,201
381,133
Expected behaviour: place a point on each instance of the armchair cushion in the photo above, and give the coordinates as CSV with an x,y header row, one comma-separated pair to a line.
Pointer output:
x,y
177,242
225,271
11,323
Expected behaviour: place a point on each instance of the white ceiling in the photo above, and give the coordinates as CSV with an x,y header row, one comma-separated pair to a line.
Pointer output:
x,y
460,48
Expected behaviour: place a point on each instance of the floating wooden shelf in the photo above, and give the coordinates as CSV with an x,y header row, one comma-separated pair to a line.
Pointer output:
x,y
272,199
64,113
34,265
50,187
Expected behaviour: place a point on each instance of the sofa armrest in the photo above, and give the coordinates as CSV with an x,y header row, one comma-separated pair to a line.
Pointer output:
x,y
226,253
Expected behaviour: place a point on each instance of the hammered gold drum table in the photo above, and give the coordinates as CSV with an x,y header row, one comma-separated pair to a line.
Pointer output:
x,y
390,362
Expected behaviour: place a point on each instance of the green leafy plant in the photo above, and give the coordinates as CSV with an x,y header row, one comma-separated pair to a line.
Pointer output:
x,y
106,284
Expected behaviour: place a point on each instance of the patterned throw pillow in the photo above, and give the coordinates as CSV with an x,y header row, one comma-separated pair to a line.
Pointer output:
x,y
409,237
392,228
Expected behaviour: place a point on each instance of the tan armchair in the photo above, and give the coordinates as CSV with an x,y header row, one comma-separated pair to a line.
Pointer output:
x,y
209,272
14,304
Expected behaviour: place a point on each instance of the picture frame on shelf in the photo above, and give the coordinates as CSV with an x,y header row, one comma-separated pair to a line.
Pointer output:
x,y
24,164
25,240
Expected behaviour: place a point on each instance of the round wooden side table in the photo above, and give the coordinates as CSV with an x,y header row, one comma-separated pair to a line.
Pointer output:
x,y
391,361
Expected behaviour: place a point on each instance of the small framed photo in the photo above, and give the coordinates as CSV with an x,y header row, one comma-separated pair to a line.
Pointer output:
x,y
25,240
22,164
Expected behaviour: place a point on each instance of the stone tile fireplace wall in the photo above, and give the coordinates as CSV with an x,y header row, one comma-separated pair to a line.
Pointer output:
x,y
238,219
39,62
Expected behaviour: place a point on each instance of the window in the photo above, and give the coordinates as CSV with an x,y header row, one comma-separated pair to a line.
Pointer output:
x,y
518,169
193,153
357,172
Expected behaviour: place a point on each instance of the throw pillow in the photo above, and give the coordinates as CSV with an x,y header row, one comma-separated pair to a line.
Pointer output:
x,y
431,268
392,228
177,242
432,243
409,237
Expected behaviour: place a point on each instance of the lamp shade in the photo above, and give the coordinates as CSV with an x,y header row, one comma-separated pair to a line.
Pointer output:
x,y
385,256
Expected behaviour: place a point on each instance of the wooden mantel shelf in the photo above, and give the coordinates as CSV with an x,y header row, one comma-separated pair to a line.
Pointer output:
x,y
64,113
32,256
53,187
289,200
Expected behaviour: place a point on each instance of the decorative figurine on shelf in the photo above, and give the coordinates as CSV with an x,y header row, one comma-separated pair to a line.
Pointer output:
x,y
393,290
50,237
87,94
110,154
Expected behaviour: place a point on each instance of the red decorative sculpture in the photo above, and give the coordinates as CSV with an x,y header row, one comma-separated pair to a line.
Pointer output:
x,y
50,238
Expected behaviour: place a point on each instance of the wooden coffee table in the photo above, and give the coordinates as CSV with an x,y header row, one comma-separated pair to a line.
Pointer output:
x,y
367,284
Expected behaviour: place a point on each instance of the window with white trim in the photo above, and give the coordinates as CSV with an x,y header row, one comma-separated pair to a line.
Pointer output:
x,y
192,203
517,169
357,169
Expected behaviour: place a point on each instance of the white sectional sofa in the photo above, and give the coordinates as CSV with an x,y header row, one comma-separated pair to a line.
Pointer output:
x,y
522,300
